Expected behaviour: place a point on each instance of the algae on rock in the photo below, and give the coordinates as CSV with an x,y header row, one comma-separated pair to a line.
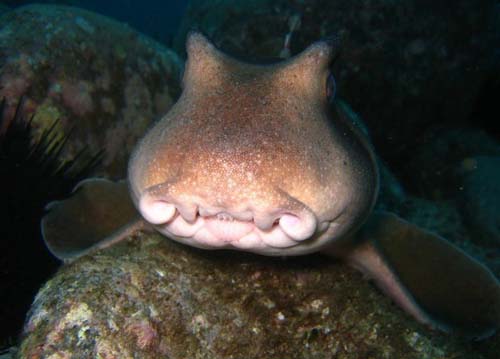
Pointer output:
x,y
149,297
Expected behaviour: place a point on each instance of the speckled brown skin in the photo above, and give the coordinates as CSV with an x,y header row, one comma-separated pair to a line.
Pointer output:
x,y
253,140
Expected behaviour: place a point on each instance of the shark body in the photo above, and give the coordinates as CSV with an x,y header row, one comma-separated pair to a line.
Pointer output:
x,y
258,158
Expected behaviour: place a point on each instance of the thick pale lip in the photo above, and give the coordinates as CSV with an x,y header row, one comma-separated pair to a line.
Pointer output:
x,y
213,232
226,228
216,227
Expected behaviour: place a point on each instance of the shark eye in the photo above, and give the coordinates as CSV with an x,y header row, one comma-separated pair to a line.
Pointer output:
x,y
331,88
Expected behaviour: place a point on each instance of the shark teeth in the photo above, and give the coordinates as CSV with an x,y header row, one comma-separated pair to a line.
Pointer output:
x,y
224,217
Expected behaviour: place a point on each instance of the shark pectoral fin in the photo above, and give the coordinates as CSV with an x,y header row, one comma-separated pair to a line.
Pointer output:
x,y
99,213
430,278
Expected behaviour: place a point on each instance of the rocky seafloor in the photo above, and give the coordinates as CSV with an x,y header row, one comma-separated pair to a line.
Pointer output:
x,y
152,298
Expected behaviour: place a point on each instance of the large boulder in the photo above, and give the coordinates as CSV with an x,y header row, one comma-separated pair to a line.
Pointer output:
x,y
480,198
104,81
4,8
461,166
442,157
149,297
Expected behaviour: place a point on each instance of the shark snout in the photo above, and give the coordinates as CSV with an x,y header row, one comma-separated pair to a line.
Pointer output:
x,y
247,226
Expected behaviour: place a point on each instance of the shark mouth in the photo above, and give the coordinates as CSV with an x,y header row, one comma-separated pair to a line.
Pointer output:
x,y
211,227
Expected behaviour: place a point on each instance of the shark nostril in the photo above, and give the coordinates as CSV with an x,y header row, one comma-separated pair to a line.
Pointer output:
x,y
157,211
289,220
298,227
188,211
267,220
222,216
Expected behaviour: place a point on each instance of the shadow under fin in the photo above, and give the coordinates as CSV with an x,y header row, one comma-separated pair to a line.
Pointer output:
x,y
98,214
430,278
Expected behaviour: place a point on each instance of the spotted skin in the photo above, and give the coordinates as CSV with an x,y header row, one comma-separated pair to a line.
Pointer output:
x,y
254,143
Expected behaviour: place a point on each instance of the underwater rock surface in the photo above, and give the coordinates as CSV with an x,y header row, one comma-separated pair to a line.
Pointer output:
x,y
99,77
3,8
404,65
443,156
481,198
149,297
459,167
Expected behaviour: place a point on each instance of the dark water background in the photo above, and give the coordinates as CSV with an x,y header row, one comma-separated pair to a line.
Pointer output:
x,y
156,18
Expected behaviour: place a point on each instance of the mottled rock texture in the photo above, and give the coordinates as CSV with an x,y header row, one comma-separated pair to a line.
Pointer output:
x,y
404,65
481,198
151,298
456,168
442,157
3,8
100,78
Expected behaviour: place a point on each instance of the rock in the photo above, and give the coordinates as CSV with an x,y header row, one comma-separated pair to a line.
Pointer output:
x,y
445,218
8,353
218,19
105,82
149,297
457,168
440,217
30,177
434,171
3,9
391,194
404,65
480,198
